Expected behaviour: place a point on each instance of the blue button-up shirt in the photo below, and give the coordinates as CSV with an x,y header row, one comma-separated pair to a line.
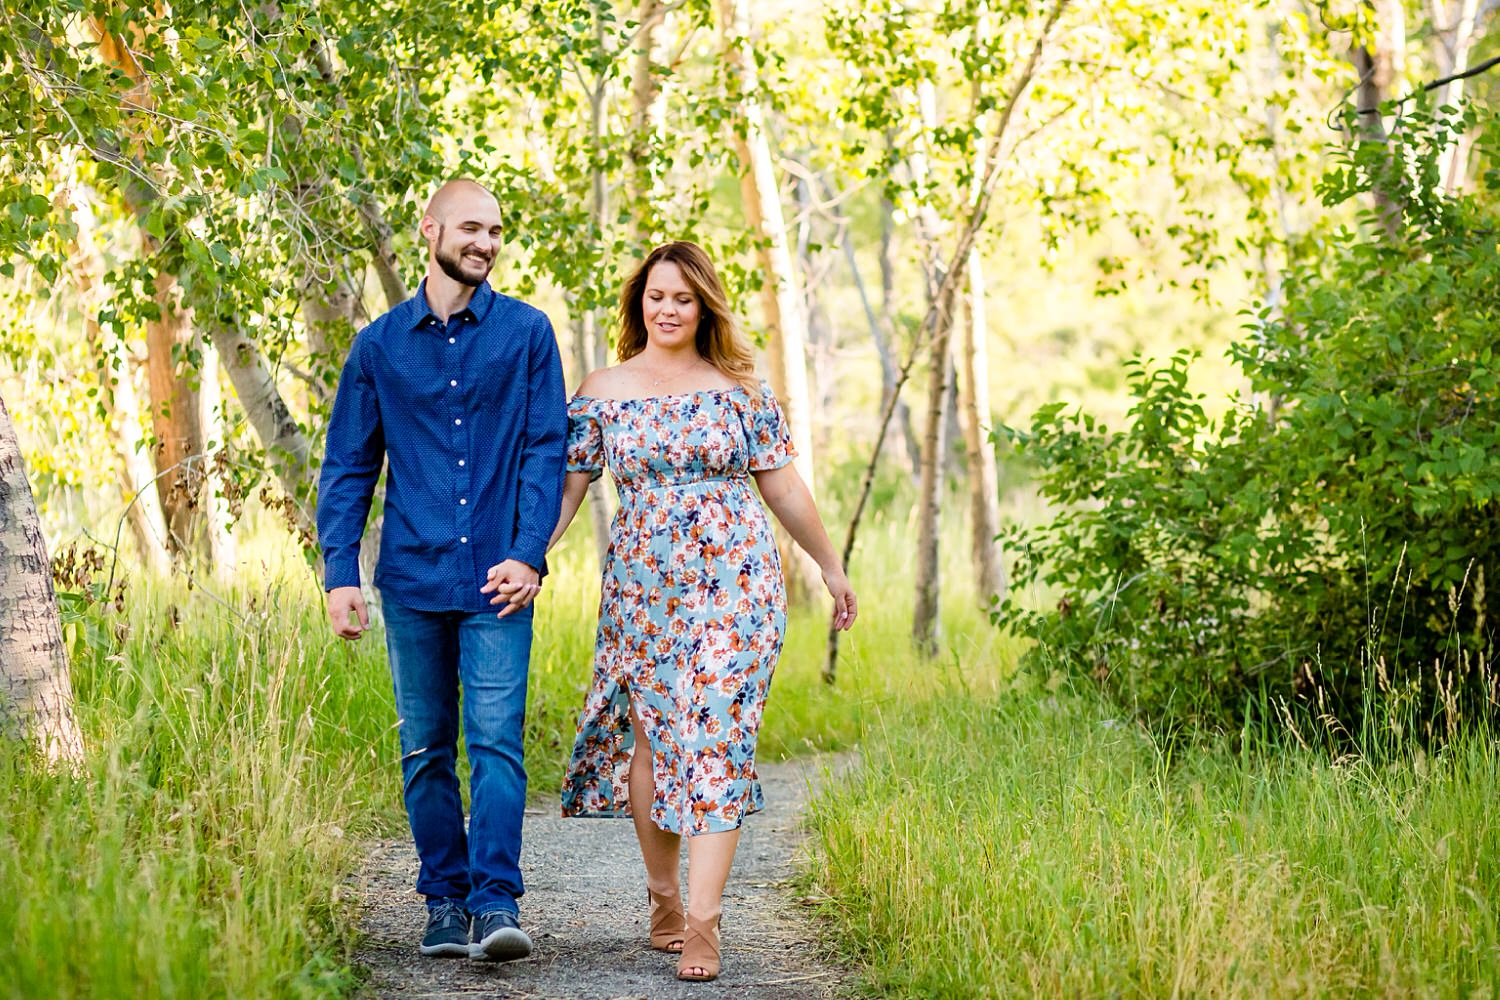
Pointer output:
x,y
472,417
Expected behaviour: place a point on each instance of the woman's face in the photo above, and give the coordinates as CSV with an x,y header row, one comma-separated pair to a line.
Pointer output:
x,y
670,307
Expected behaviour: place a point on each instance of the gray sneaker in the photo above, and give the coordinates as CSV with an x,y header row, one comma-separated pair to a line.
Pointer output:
x,y
498,938
447,934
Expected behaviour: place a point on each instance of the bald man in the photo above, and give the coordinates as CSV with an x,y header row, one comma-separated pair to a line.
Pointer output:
x,y
460,390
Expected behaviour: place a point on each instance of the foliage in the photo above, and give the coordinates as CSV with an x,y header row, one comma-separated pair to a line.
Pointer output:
x,y
1037,845
1333,537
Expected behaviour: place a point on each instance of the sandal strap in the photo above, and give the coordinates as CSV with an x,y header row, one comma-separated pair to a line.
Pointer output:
x,y
700,948
667,918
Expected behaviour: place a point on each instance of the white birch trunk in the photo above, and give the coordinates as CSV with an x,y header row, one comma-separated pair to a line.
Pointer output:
x,y
222,550
288,449
1452,44
984,485
36,694
927,609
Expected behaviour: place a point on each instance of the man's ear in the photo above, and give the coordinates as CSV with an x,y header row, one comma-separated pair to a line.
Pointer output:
x,y
428,227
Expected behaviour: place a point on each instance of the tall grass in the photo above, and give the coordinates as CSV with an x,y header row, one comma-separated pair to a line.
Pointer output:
x,y
1032,844
239,757
200,850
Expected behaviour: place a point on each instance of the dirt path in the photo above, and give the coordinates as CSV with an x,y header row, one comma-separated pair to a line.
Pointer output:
x,y
585,909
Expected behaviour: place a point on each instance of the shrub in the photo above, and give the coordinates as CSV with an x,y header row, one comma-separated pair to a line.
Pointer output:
x,y
1337,532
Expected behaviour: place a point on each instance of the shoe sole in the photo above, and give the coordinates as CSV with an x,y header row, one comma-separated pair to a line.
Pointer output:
x,y
504,945
450,950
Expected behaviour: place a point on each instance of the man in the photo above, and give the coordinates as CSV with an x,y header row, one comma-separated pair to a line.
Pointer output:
x,y
461,389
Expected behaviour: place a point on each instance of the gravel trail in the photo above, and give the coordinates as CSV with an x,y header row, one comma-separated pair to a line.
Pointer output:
x,y
585,909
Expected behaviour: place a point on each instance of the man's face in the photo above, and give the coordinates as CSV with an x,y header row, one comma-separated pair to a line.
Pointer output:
x,y
468,238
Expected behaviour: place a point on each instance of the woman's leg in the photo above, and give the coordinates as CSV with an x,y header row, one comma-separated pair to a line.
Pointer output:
x,y
710,856
660,849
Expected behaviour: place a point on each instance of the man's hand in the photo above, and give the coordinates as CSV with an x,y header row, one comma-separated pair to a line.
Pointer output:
x,y
343,601
514,583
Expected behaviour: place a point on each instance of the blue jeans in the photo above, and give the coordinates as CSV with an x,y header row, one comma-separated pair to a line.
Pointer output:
x,y
432,653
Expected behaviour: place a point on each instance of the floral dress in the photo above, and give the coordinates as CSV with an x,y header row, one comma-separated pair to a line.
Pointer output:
x,y
693,606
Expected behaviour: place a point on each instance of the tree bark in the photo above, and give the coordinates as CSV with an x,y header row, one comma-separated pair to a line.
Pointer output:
x,y
936,432
288,449
882,345
1378,70
37,699
143,513
926,624
821,333
646,121
222,550
175,413
984,499
781,298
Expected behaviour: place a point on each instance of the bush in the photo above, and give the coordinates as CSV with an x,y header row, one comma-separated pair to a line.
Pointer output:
x,y
1335,538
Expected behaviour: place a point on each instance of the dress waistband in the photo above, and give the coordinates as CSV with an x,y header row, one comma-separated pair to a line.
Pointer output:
x,y
639,487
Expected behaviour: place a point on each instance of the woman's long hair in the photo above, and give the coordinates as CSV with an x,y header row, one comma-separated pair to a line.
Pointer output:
x,y
719,340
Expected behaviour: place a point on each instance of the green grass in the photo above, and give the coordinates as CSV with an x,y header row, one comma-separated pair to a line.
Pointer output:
x,y
1031,844
239,757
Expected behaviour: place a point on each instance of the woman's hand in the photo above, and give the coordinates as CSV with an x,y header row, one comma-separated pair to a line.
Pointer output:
x,y
844,605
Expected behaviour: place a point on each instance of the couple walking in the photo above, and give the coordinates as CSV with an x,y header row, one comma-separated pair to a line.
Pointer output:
x,y
460,388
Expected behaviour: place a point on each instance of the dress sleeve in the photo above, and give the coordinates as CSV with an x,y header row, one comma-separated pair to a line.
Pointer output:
x,y
770,438
585,438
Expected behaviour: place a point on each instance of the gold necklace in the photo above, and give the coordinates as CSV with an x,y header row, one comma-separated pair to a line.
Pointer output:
x,y
675,375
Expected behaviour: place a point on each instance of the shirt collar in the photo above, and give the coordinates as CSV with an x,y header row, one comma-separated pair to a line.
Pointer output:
x,y
479,305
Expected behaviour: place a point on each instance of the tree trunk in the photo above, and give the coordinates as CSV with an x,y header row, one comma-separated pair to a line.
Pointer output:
x,y
888,311
175,415
38,697
1451,45
821,334
926,627
288,449
590,336
222,550
143,513
781,298
936,433
1378,70
953,434
984,500
646,122
174,404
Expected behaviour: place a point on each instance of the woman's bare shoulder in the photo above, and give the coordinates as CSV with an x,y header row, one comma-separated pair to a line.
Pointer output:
x,y
601,383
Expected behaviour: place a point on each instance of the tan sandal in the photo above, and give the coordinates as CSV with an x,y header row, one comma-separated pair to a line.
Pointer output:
x,y
668,923
700,950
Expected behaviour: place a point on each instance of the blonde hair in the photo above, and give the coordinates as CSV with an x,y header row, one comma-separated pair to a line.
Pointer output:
x,y
719,340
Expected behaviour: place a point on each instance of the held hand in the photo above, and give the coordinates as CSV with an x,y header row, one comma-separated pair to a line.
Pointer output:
x,y
844,605
514,583
342,602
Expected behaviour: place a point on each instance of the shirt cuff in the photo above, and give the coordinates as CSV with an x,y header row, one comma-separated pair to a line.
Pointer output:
x,y
531,551
343,573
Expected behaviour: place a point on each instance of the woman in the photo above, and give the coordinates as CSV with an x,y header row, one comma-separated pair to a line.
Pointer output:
x,y
693,608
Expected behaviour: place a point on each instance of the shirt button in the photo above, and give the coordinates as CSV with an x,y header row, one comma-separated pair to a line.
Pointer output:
x,y
460,463
453,381
462,501
452,340
463,539
457,422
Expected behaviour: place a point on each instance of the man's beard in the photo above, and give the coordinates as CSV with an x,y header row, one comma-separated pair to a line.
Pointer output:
x,y
452,265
